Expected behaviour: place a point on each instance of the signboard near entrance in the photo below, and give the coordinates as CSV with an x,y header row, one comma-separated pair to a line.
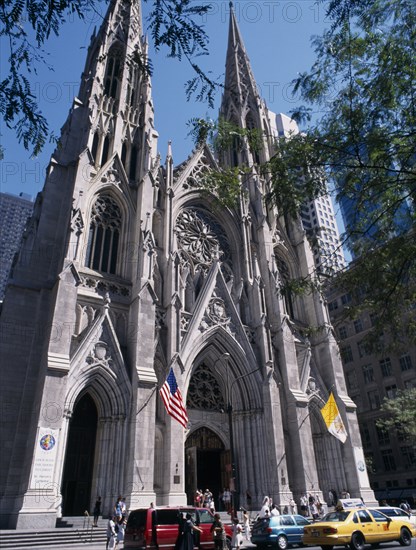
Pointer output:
x,y
45,455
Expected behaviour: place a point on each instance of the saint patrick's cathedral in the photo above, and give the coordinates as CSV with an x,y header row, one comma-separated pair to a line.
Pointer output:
x,y
130,269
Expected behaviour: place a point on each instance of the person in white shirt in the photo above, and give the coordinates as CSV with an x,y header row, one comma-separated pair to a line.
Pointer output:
x,y
265,509
246,524
111,533
237,537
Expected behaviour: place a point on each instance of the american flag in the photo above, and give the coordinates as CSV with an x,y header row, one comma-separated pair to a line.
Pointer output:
x,y
172,398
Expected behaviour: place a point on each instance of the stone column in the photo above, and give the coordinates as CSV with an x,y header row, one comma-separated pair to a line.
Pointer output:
x,y
139,479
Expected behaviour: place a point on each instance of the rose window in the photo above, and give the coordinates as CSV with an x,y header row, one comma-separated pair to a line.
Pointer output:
x,y
204,392
200,235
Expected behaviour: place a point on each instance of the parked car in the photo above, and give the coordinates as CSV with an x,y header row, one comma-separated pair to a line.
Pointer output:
x,y
157,528
281,531
357,527
396,513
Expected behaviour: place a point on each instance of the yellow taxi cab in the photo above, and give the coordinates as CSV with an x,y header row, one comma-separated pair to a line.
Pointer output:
x,y
357,527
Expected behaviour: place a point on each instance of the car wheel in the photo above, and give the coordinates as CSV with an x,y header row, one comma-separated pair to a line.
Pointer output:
x,y
357,542
228,543
405,537
282,542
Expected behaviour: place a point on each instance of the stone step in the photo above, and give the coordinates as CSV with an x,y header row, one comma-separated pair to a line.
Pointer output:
x,y
21,539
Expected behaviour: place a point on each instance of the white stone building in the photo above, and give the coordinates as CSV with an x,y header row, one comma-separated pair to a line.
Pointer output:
x,y
128,269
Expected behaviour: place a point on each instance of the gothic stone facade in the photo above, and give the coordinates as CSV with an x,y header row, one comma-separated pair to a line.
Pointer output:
x,y
128,269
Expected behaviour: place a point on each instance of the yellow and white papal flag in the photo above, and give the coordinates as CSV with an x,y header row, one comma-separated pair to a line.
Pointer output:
x,y
333,419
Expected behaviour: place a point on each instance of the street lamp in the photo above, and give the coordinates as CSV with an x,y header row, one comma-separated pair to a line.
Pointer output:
x,y
235,491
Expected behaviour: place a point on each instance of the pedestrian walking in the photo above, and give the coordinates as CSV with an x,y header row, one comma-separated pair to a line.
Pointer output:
x,y
120,529
188,529
237,536
97,511
246,524
218,532
111,533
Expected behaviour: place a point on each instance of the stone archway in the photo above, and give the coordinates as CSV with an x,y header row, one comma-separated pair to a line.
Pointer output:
x,y
79,458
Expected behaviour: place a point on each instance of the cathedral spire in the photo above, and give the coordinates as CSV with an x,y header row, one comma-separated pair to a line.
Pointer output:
x,y
115,94
240,85
241,102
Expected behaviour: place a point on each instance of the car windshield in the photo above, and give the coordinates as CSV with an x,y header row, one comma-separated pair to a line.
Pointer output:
x,y
336,516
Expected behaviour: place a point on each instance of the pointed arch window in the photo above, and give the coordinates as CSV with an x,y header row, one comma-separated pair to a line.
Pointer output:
x,y
133,85
106,150
104,235
250,125
124,154
113,72
133,163
285,289
94,148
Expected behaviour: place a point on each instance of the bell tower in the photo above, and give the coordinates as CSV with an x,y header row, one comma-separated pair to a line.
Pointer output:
x,y
81,281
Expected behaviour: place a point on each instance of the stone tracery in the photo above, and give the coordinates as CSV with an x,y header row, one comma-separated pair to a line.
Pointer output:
x,y
204,391
200,235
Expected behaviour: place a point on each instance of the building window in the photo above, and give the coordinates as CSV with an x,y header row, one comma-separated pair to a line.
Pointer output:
x,y
388,460
104,236
343,333
332,306
346,299
133,163
409,457
391,391
204,392
106,150
286,292
351,380
370,462
374,399
365,434
385,366
113,73
401,434
94,148
346,354
368,373
405,362
358,326
382,436
362,349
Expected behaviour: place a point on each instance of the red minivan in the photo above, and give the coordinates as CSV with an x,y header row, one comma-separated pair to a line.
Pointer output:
x,y
157,528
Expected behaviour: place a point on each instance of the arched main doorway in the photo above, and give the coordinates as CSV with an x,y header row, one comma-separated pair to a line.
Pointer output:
x,y
206,464
79,458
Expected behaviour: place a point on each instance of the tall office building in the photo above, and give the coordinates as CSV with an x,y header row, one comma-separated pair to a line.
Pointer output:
x,y
365,216
371,377
129,270
318,216
14,213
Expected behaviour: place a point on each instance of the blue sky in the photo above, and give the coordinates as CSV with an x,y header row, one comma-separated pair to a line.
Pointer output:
x,y
277,39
